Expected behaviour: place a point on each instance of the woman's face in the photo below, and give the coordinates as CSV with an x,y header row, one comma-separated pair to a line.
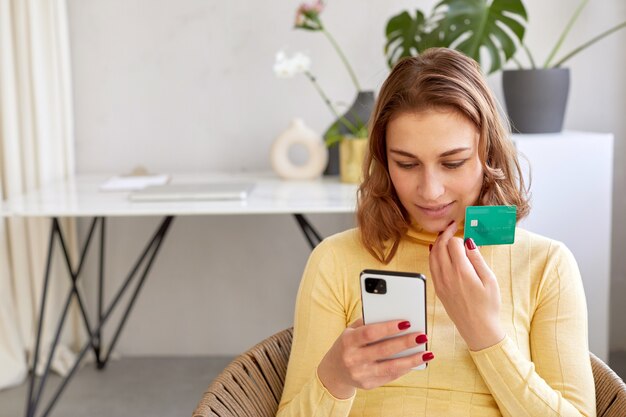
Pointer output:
x,y
434,166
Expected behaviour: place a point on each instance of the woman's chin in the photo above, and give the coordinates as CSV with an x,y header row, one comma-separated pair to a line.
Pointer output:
x,y
434,227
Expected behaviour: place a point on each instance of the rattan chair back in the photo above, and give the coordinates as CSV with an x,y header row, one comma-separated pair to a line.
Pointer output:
x,y
251,385
610,390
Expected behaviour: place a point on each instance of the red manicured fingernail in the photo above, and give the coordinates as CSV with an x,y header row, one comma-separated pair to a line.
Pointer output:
x,y
421,339
469,243
428,356
403,325
430,248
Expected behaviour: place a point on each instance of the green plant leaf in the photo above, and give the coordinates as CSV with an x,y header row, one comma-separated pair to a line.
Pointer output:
x,y
305,26
473,25
589,43
362,132
333,136
406,36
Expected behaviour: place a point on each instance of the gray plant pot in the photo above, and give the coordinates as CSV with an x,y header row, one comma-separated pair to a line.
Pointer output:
x,y
362,108
536,99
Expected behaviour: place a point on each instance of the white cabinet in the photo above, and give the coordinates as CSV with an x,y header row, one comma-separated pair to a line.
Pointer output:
x,y
571,189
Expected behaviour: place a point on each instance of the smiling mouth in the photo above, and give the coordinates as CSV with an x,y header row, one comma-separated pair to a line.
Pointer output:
x,y
434,208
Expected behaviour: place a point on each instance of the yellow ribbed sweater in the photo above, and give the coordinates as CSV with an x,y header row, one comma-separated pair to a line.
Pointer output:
x,y
541,368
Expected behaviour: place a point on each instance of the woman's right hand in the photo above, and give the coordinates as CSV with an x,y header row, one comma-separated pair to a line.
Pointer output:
x,y
355,360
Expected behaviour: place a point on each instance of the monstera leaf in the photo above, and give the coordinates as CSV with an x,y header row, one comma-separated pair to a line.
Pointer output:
x,y
469,26
472,25
406,36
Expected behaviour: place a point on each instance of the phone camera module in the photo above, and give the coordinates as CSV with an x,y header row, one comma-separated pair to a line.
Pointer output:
x,y
375,286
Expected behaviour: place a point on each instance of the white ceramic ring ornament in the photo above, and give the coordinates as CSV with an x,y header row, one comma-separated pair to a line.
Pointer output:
x,y
299,134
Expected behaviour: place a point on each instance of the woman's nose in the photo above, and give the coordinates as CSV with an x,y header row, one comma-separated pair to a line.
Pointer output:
x,y
431,187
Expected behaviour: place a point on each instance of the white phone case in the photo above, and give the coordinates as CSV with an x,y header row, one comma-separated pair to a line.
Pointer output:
x,y
405,299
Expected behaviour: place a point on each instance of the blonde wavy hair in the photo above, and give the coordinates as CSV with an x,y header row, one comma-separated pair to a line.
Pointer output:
x,y
437,78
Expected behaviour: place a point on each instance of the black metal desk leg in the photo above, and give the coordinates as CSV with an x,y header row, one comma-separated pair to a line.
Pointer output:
x,y
94,333
311,235
98,335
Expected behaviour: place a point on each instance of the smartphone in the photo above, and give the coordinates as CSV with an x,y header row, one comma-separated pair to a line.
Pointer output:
x,y
391,295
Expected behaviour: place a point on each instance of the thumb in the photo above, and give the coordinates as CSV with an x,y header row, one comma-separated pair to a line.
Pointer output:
x,y
478,262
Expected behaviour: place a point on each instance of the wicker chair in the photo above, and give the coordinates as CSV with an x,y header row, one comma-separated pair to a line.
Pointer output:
x,y
251,385
610,390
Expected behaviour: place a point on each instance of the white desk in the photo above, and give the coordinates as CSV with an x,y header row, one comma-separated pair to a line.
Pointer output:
x,y
81,198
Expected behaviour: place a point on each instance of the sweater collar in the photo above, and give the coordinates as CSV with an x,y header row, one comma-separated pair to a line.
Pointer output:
x,y
417,233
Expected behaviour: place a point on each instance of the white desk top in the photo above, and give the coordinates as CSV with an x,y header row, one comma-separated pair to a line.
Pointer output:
x,y
81,197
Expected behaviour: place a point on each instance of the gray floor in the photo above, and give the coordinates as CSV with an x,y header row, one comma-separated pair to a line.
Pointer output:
x,y
145,387
128,387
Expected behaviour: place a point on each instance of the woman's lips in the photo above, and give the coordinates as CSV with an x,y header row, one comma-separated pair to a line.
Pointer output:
x,y
439,211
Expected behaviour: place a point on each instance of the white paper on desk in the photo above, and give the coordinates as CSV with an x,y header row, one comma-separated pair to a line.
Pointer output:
x,y
133,182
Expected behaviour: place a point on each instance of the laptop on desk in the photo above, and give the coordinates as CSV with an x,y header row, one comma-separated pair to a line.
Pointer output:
x,y
193,192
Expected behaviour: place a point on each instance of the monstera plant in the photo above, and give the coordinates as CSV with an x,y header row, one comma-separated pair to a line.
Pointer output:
x,y
478,28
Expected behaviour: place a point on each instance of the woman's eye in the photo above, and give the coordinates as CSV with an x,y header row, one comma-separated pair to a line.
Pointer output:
x,y
453,165
405,165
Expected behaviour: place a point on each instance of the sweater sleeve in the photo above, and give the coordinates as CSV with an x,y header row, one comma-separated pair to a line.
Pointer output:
x,y
320,318
558,380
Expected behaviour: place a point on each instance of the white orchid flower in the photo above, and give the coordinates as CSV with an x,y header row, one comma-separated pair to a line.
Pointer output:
x,y
285,67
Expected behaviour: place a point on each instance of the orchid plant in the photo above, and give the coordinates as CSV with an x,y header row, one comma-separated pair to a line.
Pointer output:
x,y
308,18
300,63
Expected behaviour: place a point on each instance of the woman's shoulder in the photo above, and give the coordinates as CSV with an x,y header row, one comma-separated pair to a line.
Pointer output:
x,y
535,239
538,247
348,239
342,245
550,265
531,238
335,257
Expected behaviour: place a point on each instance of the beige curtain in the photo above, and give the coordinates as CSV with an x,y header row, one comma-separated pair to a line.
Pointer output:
x,y
36,147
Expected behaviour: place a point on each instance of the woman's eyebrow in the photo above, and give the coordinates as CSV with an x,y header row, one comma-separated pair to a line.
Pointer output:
x,y
446,153
454,151
403,153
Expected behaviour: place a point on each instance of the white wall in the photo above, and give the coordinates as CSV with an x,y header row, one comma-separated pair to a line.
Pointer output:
x,y
187,85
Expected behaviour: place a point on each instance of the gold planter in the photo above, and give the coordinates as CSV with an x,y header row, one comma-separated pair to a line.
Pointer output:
x,y
351,156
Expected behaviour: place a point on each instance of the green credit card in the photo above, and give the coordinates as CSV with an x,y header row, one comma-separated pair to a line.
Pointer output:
x,y
490,225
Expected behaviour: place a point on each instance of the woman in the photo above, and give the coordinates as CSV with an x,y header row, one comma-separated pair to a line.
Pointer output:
x,y
507,324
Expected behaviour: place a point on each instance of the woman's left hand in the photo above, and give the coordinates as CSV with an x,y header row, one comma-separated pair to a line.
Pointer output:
x,y
467,288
